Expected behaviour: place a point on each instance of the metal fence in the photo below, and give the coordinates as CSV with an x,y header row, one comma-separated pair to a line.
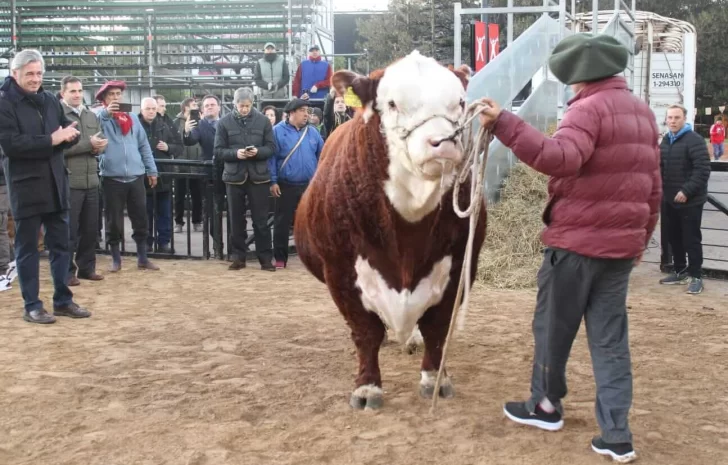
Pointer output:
x,y
215,220
714,227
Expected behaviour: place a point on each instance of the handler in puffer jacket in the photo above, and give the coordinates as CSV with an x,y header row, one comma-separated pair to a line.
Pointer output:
x,y
604,198
685,164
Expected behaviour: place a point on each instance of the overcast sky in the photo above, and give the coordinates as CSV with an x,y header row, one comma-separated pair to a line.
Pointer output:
x,y
352,5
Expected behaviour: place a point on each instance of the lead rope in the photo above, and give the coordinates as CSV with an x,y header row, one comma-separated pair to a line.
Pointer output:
x,y
472,166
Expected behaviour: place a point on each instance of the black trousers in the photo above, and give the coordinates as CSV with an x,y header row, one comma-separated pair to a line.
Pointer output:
x,y
180,192
683,226
219,192
133,196
257,196
285,208
84,227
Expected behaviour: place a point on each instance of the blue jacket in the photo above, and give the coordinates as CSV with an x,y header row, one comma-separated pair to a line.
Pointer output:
x,y
302,164
672,138
126,157
311,73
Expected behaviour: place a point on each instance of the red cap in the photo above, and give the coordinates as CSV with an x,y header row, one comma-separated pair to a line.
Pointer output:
x,y
109,85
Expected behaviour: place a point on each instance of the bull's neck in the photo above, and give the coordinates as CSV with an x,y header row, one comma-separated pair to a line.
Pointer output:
x,y
411,196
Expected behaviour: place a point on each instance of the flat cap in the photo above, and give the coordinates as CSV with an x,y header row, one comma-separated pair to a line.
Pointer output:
x,y
295,104
586,57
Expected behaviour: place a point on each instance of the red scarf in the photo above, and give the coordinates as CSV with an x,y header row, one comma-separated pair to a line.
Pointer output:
x,y
124,121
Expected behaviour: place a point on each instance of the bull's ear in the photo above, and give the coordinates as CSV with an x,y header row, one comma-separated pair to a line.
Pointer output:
x,y
463,73
365,88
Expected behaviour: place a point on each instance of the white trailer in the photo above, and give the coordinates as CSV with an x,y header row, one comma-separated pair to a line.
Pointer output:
x,y
664,61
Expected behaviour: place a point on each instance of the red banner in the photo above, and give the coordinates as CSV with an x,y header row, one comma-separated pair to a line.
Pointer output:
x,y
480,42
486,43
493,41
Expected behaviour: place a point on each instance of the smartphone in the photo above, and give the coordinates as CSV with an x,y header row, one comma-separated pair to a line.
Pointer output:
x,y
125,107
195,115
99,135
250,147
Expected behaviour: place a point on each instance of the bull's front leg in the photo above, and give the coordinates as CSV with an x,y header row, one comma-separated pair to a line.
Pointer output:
x,y
434,325
367,332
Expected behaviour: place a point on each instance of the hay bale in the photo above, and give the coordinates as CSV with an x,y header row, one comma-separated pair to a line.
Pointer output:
x,y
512,252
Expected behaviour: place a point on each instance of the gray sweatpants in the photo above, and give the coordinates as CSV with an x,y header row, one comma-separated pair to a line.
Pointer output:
x,y
572,287
4,238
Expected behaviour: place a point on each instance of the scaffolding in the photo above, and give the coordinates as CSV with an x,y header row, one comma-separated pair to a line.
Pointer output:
x,y
193,46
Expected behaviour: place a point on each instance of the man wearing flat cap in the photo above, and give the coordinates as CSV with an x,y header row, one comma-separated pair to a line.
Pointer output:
x,y
604,198
124,164
313,77
298,148
271,74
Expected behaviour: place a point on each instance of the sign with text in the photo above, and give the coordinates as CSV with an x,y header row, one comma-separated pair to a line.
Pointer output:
x,y
666,73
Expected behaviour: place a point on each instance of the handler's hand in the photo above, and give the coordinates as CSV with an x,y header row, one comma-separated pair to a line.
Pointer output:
x,y
490,113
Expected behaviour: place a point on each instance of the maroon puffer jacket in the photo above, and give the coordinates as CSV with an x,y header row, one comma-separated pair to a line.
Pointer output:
x,y
604,162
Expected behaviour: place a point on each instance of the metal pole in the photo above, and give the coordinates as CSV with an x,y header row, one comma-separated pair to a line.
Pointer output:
x,y
595,13
509,32
457,47
432,28
290,48
13,26
484,16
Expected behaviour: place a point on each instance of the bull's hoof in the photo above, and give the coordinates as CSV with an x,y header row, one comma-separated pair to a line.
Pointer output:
x,y
415,342
427,386
367,397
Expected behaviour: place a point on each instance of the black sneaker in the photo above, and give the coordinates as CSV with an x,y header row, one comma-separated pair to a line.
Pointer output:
x,y
695,286
676,278
518,412
622,452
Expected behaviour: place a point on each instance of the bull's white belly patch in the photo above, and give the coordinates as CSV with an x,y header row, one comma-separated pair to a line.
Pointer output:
x,y
401,310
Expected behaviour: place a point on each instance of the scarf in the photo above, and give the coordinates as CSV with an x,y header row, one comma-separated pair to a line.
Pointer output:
x,y
123,120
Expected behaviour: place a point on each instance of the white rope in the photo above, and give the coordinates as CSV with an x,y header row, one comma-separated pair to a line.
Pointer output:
x,y
475,167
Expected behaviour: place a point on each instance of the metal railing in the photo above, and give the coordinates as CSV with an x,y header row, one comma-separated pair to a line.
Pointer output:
x,y
215,219
711,251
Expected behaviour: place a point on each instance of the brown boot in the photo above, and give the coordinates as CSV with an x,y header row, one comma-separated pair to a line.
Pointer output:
x,y
237,265
93,276
73,281
147,265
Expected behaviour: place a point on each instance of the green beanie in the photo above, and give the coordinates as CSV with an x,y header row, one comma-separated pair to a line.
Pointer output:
x,y
586,57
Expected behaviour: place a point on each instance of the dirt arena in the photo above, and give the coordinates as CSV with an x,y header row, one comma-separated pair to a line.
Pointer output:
x,y
198,365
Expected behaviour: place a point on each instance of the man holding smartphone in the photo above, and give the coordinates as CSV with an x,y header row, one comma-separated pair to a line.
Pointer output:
x,y
188,118
124,164
244,142
84,181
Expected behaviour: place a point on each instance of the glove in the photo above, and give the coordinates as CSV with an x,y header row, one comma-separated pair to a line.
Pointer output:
x,y
314,89
270,85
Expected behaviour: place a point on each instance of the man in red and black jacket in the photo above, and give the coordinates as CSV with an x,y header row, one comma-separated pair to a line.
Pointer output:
x,y
313,76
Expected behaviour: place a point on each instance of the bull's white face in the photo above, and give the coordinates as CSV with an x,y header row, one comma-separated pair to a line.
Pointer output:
x,y
421,103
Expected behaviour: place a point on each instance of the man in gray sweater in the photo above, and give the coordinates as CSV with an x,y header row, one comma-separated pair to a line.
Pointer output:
x,y
84,182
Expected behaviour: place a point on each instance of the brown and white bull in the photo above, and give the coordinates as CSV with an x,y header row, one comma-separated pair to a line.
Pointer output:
x,y
377,225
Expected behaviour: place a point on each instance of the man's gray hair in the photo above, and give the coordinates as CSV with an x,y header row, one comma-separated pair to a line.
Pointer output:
x,y
242,94
25,57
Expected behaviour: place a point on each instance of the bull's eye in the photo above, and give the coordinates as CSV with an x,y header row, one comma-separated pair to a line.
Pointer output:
x,y
392,105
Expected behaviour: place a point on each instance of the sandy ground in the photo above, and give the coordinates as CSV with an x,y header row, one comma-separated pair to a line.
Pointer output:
x,y
198,365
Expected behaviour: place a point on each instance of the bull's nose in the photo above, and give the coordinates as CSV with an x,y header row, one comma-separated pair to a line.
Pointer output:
x,y
444,149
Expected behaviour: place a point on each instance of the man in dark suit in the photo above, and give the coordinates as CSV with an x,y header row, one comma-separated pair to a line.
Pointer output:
x,y
34,131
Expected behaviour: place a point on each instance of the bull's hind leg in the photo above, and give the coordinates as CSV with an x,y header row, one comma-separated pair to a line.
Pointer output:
x,y
367,331
434,326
